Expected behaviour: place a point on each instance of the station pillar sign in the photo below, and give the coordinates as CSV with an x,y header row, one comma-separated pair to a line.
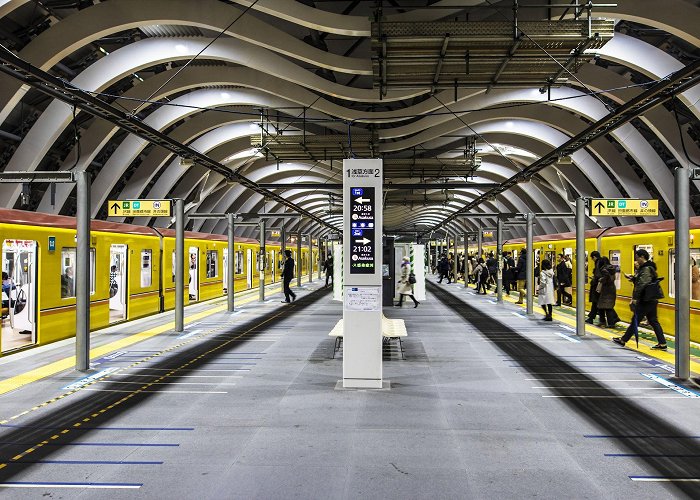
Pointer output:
x,y
362,280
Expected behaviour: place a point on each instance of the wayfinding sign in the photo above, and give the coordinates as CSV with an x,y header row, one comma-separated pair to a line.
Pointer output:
x,y
139,208
623,207
362,230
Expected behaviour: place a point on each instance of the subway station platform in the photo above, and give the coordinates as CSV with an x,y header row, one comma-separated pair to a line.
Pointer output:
x,y
487,404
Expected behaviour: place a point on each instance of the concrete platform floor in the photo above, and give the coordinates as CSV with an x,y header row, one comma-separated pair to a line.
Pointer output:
x,y
488,404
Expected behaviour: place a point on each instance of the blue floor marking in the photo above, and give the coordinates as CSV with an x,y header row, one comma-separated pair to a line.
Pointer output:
x,y
104,428
98,444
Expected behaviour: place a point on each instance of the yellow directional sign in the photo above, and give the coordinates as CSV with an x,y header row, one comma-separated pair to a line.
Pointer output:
x,y
624,207
138,208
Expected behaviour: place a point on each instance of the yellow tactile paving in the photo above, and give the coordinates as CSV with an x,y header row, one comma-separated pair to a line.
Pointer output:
x,y
41,372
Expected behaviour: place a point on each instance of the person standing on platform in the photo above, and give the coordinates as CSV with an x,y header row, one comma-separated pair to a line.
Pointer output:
x,y
645,300
287,276
520,275
545,292
607,294
405,285
593,289
695,280
328,268
444,269
481,275
564,280
492,266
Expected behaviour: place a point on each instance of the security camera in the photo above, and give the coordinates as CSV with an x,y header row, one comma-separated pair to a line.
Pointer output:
x,y
186,162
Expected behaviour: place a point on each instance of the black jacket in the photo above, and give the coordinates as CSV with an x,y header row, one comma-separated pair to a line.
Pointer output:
x,y
328,267
288,272
520,271
564,273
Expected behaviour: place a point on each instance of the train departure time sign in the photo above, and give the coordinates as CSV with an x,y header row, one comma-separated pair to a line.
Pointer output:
x,y
362,230
623,207
138,208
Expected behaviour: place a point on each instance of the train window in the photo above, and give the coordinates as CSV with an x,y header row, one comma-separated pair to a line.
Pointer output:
x,y
648,248
68,260
239,262
614,256
694,273
146,267
212,263
174,265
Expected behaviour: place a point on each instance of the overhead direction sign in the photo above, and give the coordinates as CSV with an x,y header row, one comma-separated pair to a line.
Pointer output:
x,y
139,208
623,207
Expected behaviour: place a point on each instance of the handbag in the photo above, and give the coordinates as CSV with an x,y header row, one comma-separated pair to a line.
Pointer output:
x,y
20,302
599,287
653,291
412,278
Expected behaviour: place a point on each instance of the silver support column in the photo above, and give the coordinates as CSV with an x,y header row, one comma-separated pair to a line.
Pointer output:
x,y
298,262
179,265
230,272
261,263
682,239
499,259
311,258
466,261
479,243
580,266
82,273
529,264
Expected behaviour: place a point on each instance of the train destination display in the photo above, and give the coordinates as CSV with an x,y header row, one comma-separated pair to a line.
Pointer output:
x,y
362,230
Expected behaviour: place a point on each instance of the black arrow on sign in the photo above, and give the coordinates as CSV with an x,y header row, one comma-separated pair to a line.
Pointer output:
x,y
115,207
599,205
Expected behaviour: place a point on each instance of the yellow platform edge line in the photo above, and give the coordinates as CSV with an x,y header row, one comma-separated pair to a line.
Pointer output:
x,y
50,369
664,356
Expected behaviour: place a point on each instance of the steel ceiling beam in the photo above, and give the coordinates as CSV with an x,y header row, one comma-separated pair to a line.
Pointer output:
x,y
387,186
59,89
677,83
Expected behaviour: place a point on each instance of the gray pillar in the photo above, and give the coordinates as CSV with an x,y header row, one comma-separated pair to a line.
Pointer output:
x,y
529,264
479,242
283,243
321,256
499,259
179,265
580,266
466,262
231,271
682,176
454,256
311,259
298,262
82,273
261,263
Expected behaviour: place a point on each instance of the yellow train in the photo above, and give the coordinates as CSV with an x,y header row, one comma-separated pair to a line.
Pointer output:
x,y
619,244
133,273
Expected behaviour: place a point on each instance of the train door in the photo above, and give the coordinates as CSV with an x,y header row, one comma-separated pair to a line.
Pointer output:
x,y
225,257
117,283
19,293
194,274
249,267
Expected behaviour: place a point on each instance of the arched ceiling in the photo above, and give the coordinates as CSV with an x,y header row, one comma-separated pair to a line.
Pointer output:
x,y
212,73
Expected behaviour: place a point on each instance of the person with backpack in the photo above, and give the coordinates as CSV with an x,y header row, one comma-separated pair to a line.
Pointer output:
x,y
607,294
492,266
444,269
481,276
645,300
406,282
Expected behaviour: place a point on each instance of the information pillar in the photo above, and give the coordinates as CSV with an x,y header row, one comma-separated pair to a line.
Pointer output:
x,y
362,287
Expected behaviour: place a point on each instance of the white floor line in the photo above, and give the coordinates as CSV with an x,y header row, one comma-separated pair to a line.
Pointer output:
x,y
565,336
606,388
81,486
670,385
617,397
190,369
596,380
164,383
188,376
161,392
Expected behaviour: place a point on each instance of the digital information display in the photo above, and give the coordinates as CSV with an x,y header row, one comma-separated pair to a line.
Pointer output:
x,y
362,230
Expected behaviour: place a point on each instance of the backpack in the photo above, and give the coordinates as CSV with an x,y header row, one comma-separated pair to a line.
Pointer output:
x,y
653,291
412,278
484,275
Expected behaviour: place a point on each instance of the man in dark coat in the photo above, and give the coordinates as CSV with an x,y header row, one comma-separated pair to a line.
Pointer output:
x,y
593,294
520,274
444,269
564,280
287,275
328,268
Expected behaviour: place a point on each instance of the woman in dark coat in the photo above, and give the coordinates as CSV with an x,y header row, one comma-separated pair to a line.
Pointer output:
x,y
607,293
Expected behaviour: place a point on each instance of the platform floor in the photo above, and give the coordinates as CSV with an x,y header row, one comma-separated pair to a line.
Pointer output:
x,y
487,404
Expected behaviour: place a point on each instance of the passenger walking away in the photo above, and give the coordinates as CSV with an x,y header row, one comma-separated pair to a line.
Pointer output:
x,y
328,268
545,292
520,274
645,300
564,281
593,289
492,266
287,275
607,293
481,276
444,269
405,284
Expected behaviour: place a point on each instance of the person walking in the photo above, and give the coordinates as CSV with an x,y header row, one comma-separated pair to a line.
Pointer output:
x,y
481,276
520,275
405,287
593,289
492,266
545,292
287,275
645,300
328,268
607,294
564,280
444,269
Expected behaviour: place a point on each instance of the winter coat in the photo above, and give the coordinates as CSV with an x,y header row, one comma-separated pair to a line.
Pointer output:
x,y
288,271
492,265
545,292
643,278
564,274
592,293
520,271
608,292
328,266
695,278
404,287
444,266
